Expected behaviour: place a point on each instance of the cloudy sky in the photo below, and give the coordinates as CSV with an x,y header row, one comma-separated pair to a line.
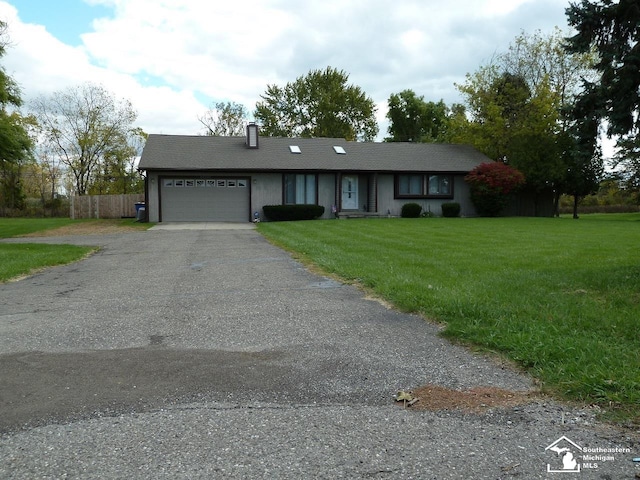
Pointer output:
x,y
173,58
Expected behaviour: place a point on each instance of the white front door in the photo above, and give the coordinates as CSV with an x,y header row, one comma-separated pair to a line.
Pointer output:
x,y
350,192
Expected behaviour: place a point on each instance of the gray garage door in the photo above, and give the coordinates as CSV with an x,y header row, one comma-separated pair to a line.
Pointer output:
x,y
204,199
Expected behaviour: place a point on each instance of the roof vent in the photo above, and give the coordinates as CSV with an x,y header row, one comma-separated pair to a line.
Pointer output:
x,y
339,150
252,135
294,149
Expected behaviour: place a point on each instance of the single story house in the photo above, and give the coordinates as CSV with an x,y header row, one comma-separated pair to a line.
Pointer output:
x,y
230,179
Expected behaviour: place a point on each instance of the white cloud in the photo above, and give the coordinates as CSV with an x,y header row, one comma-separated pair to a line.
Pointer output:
x,y
502,7
171,58
36,59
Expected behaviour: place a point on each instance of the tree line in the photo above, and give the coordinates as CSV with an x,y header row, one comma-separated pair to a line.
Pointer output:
x,y
81,140
540,106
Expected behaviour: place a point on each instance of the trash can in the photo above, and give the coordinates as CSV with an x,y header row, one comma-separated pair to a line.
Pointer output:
x,y
139,205
141,213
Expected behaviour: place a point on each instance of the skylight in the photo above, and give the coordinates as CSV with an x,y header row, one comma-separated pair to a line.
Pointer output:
x,y
295,149
339,150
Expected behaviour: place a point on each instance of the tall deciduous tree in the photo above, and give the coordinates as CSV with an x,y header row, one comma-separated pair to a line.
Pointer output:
x,y
117,173
412,119
582,152
612,29
516,105
15,152
497,108
225,119
542,58
83,125
515,125
319,104
15,144
45,175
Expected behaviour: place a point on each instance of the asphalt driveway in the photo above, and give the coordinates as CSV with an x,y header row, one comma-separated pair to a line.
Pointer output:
x,y
209,352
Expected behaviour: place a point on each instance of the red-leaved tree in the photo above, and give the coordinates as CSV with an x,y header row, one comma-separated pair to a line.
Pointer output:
x,y
491,184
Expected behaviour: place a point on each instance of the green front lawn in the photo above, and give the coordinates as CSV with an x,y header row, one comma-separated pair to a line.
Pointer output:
x,y
561,297
18,259
13,227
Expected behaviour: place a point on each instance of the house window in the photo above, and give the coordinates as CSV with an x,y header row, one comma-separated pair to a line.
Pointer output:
x,y
424,186
439,185
300,188
410,185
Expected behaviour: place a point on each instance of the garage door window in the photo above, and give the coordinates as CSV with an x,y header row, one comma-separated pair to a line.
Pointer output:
x,y
299,188
205,182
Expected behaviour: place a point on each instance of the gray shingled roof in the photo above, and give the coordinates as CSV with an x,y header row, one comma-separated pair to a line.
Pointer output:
x,y
185,152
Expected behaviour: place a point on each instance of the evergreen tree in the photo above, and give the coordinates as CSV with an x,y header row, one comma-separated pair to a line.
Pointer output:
x,y
612,30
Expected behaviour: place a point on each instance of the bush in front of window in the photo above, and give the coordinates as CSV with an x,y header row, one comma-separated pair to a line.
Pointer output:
x,y
491,184
451,209
427,213
287,213
410,210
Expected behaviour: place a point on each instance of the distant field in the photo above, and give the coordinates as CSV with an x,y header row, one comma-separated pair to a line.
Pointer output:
x,y
561,297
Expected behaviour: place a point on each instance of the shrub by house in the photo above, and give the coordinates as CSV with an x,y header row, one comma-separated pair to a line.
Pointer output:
x,y
284,213
451,209
491,184
410,210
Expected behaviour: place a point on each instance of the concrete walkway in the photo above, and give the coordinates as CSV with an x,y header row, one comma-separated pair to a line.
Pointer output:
x,y
203,226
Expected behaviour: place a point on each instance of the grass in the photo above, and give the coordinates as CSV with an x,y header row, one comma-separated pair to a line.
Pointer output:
x,y
560,297
19,259
12,227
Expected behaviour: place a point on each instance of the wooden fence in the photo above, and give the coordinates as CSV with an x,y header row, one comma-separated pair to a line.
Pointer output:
x,y
105,206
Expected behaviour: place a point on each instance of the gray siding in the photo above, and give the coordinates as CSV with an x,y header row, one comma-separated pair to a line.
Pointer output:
x,y
153,205
373,163
266,189
327,192
387,202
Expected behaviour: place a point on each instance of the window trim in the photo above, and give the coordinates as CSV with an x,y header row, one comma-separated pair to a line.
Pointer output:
x,y
425,185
